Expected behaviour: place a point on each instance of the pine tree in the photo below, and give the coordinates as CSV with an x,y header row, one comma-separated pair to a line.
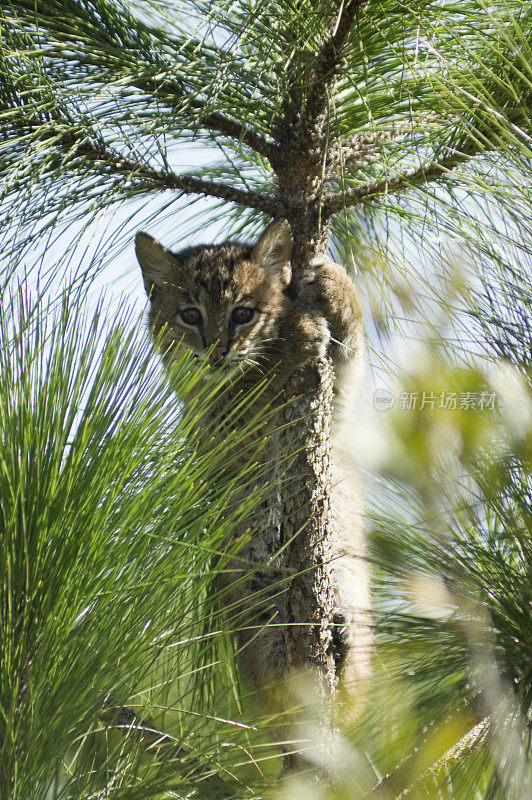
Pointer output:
x,y
379,127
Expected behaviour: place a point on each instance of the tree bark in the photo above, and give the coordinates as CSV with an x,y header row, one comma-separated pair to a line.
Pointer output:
x,y
307,522
284,573
307,532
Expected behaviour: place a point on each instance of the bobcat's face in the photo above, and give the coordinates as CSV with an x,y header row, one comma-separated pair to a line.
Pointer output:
x,y
224,302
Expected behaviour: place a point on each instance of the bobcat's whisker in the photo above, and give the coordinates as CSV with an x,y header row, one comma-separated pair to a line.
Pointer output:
x,y
255,364
342,344
257,359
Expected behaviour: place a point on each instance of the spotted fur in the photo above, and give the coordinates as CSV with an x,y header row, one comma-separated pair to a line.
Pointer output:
x,y
284,334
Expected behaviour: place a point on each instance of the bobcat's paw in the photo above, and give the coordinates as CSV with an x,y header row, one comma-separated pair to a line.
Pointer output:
x,y
320,282
309,338
319,261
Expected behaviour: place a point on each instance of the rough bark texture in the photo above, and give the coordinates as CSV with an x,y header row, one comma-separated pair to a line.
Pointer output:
x,y
307,523
285,631
307,531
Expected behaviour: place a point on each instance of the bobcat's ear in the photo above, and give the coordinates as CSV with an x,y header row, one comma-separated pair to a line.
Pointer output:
x,y
156,262
273,250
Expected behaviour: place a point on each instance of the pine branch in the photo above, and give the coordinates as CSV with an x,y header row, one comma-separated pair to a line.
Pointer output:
x,y
432,171
487,138
188,184
213,121
240,133
328,61
117,59
149,178
365,143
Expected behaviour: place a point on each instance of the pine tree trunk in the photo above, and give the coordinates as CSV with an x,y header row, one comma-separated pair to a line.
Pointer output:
x,y
287,637
286,628
307,532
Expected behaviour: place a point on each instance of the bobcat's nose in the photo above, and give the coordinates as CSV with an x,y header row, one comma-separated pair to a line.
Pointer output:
x,y
217,353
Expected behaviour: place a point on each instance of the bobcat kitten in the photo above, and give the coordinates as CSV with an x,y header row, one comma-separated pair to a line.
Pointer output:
x,y
234,304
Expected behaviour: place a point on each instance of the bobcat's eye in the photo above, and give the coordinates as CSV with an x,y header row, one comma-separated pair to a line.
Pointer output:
x,y
191,316
242,315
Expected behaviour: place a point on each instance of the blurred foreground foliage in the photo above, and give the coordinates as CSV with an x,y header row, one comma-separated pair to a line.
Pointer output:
x,y
115,517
